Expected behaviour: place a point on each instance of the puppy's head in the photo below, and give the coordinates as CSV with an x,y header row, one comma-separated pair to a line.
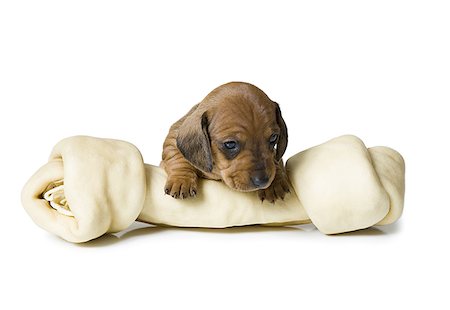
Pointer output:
x,y
237,134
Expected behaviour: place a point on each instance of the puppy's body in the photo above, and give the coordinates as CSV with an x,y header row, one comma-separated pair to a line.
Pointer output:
x,y
237,135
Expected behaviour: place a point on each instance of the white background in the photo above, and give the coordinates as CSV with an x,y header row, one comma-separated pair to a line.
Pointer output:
x,y
128,69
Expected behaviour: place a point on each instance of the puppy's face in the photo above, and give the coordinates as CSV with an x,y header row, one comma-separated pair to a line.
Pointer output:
x,y
242,137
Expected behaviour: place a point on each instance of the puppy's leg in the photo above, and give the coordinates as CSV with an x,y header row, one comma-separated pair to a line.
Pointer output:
x,y
181,175
279,186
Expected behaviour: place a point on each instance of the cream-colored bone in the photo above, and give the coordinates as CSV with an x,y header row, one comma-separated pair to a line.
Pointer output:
x,y
340,186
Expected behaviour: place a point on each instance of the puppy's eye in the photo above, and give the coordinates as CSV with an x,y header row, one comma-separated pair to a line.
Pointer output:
x,y
231,145
273,138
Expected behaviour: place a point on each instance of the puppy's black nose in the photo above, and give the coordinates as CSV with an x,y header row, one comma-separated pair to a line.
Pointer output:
x,y
260,179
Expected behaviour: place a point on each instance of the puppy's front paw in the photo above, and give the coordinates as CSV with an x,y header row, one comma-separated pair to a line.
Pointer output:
x,y
277,190
181,187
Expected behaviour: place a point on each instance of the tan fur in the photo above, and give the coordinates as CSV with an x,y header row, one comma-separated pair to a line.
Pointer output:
x,y
238,112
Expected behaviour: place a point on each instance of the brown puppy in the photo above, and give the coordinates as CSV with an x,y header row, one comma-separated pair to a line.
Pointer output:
x,y
237,135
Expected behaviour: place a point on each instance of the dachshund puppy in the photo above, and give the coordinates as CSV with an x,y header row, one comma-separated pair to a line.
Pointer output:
x,y
237,135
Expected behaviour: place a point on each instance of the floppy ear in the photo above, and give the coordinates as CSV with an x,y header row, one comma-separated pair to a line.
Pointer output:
x,y
193,141
283,139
